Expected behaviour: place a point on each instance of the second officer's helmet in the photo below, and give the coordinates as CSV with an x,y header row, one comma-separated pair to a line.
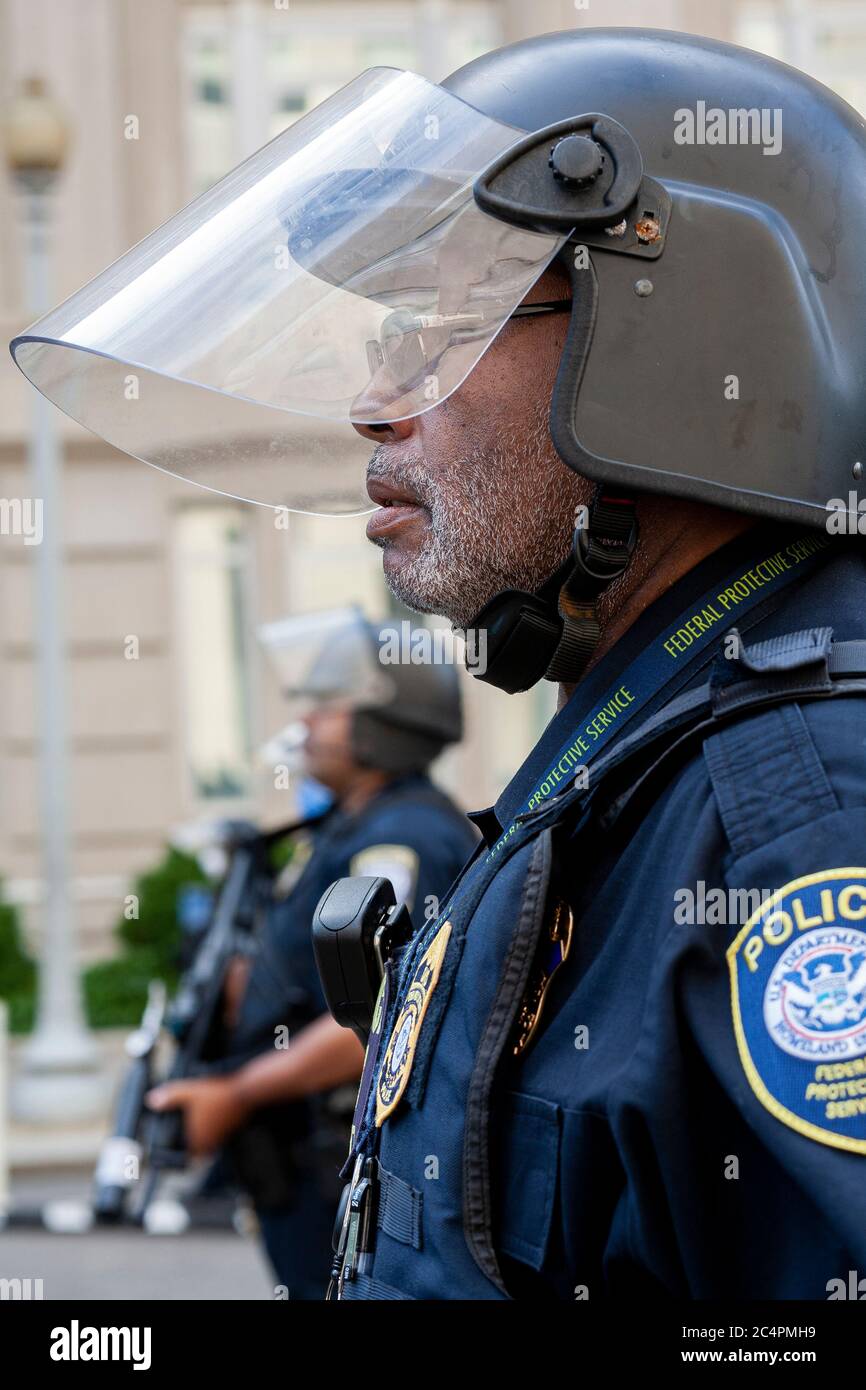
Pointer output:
x,y
404,710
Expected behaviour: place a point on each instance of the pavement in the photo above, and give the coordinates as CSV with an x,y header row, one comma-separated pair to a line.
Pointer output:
x,y
126,1264
49,1167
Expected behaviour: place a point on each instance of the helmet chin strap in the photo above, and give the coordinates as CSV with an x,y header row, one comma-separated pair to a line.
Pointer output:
x,y
552,634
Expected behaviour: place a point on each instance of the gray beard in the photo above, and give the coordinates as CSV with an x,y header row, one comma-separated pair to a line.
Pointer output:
x,y
501,518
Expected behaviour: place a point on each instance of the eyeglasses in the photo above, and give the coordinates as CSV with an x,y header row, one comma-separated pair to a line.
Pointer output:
x,y
410,344
550,306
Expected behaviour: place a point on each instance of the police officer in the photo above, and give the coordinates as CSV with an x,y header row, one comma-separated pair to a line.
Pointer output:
x,y
369,738
613,371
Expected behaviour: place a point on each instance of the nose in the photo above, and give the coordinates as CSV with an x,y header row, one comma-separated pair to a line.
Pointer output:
x,y
384,431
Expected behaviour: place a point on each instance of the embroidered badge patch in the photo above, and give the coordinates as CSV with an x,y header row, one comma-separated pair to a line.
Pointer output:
x,y
400,1053
798,993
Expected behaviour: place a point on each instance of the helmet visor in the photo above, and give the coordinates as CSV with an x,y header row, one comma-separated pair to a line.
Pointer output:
x,y
343,273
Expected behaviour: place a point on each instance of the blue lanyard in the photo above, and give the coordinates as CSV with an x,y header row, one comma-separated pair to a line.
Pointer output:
x,y
671,654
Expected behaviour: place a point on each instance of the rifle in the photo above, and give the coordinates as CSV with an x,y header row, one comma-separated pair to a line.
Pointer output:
x,y
120,1155
143,1139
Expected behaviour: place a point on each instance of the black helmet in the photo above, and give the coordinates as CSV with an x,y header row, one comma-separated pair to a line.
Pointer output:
x,y
718,341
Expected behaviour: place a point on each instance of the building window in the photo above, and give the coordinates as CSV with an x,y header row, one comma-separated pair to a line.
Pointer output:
x,y
826,39
251,72
214,625
208,101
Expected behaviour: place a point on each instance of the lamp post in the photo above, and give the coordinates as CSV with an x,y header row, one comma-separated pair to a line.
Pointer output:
x,y
58,1078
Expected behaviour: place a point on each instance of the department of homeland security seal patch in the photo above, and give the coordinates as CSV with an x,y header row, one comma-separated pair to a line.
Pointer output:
x,y
798,993
400,1053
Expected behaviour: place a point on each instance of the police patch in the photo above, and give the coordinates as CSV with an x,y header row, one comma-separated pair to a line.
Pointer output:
x,y
396,1065
798,993
399,863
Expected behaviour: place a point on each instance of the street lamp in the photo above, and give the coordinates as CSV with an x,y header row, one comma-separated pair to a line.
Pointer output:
x,y
37,137
59,1078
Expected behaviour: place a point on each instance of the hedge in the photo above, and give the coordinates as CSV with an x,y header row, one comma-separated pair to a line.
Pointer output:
x,y
115,990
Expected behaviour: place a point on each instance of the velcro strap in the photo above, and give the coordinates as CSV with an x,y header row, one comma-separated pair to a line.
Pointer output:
x,y
578,640
602,551
848,658
604,547
399,1213
364,1286
795,661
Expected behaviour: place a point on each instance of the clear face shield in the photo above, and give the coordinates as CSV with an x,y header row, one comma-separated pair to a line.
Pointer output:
x,y
342,274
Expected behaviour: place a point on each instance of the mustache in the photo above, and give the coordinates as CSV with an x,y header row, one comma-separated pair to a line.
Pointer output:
x,y
407,472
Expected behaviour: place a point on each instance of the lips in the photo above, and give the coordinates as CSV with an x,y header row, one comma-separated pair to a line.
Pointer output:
x,y
397,507
388,494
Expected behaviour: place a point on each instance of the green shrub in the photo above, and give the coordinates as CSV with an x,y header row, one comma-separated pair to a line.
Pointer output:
x,y
115,991
17,973
156,926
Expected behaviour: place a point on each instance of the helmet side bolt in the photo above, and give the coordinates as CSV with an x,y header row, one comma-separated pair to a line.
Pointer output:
x,y
643,288
576,161
647,229
857,470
